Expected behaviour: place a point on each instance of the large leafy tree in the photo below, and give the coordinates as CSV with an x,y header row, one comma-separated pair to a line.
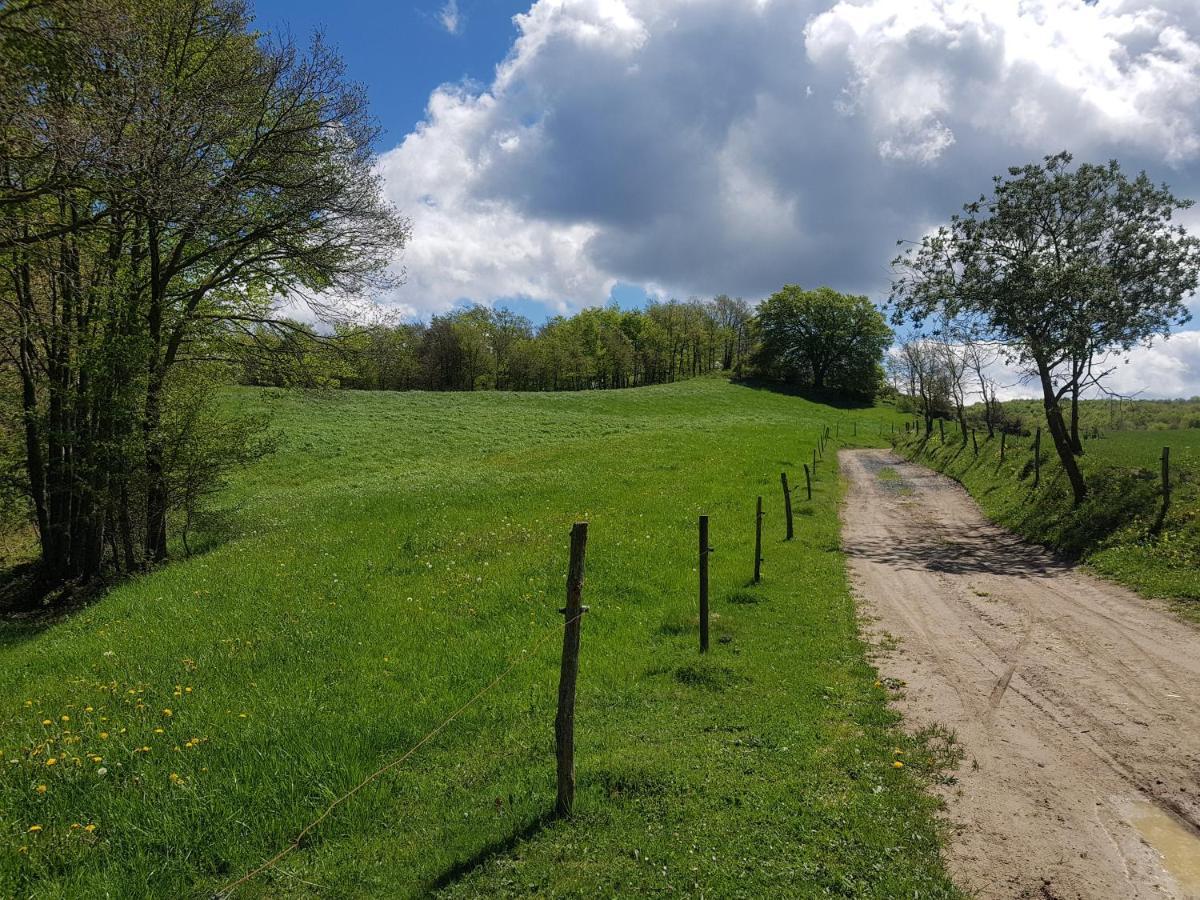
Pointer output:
x,y
1062,267
166,176
823,339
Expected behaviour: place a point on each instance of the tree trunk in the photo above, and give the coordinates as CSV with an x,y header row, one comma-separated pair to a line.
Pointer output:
x,y
1076,444
1061,436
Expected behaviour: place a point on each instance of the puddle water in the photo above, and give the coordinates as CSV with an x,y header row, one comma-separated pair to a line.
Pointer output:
x,y
1177,845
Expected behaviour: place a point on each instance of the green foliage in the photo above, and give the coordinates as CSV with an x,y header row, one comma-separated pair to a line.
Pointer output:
x,y
478,348
392,557
822,339
1114,530
1060,266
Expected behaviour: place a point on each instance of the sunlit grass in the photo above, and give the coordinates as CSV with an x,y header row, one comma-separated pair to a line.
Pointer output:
x,y
389,561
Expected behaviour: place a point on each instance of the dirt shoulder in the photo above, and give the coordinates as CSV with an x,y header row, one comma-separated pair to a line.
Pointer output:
x,y
1076,702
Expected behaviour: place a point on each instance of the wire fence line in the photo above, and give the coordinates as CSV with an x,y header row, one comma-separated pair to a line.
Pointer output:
x,y
526,654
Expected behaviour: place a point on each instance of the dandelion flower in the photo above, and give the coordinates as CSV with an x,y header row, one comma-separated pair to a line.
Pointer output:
x,y
52,761
167,713
89,828
897,765
34,829
41,789
47,722
158,731
87,709
104,735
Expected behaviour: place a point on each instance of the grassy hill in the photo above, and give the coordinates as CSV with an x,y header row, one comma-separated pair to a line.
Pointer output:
x,y
1115,530
392,559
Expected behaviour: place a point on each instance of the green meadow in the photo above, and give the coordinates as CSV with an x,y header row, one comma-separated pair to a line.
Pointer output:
x,y
394,556
1117,530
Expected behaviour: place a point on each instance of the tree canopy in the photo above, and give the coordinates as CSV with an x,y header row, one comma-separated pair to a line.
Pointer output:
x,y
823,339
1062,267
169,177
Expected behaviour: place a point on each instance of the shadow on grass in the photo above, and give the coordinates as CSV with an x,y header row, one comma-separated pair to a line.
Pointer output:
x,y
835,399
490,851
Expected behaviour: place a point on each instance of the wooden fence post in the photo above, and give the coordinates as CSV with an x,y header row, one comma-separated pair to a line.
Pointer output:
x,y
704,551
787,505
564,721
1037,457
808,481
758,517
942,427
814,462
1166,487
856,428
1003,435
974,442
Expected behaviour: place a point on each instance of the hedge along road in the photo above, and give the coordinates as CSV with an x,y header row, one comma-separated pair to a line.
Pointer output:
x,y
1076,703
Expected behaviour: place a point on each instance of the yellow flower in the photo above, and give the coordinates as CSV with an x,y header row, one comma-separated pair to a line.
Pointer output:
x,y
89,828
96,759
34,829
175,779
52,761
104,735
897,765
187,690
87,709
167,713
66,718
158,731
75,826
47,722
41,789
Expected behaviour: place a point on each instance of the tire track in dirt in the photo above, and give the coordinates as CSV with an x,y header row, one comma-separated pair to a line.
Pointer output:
x,y
1077,703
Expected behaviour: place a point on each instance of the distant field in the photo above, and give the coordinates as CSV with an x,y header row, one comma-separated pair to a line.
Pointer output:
x,y
388,562
1114,530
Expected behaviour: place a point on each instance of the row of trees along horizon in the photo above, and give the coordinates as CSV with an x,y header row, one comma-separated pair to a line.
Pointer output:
x,y
171,181
819,338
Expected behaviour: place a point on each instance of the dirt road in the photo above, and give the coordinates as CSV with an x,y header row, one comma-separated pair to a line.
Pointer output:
x,y
1076,702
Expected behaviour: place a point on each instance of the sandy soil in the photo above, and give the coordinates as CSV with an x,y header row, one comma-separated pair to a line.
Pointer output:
x,y
1076,702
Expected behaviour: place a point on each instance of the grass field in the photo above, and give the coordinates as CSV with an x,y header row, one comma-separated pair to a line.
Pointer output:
x,y
1114,531
388,562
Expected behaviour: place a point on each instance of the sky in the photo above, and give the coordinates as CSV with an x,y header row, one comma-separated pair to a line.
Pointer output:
x,y
559,154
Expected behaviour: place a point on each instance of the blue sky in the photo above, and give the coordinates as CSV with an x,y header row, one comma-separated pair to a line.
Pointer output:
x,y
401,51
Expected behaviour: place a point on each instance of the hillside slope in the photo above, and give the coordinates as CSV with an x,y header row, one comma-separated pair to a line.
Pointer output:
x,y
391,560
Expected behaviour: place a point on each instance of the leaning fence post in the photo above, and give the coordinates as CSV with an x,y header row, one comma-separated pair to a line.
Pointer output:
x,y
855,428
758,517
704,551
974,442
1037,457
787,504
564,722
942,428
808,481
1003,435
814,462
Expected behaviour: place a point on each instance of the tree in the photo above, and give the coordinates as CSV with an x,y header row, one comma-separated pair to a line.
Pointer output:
x,y
917,366
823,339
167,177
1058,267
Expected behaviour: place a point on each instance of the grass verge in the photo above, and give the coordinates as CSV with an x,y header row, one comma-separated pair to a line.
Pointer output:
x,y
1116,531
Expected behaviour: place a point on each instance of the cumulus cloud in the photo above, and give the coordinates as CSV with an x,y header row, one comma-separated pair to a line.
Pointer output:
x,y
707,146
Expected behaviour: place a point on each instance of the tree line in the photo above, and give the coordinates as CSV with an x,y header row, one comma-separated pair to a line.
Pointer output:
x,y
480,348
819,338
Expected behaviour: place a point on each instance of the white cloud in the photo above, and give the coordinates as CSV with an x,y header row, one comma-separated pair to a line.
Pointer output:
x,y
710,146
450,17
